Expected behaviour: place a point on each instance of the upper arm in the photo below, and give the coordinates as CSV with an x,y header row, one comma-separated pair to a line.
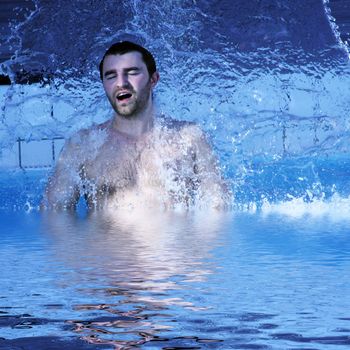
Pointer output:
x,y
62,189
213,189
204,156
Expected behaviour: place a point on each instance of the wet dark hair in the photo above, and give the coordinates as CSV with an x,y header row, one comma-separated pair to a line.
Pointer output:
x,y
123,47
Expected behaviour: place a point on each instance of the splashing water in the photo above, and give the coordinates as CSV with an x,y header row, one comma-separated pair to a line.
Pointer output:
x,y
268,81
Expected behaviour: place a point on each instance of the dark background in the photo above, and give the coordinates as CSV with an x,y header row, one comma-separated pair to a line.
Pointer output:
x,y
14,11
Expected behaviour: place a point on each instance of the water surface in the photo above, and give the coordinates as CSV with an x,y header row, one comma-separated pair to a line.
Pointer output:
x,y
174,280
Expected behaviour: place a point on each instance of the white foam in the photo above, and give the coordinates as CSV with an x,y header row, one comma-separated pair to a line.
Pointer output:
x,y
335,208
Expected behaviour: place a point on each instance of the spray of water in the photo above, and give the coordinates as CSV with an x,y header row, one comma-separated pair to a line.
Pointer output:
x,y
267,81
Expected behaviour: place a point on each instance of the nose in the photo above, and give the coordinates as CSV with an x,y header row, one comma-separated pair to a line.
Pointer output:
x,y
122,80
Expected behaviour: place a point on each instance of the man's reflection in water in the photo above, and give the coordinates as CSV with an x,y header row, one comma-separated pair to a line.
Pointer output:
x,y
140,264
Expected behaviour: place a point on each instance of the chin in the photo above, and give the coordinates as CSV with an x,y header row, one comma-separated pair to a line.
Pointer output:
x,y
129,111
126,114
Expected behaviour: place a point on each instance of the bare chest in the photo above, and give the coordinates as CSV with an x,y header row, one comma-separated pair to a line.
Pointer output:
x,y
114,165
155,168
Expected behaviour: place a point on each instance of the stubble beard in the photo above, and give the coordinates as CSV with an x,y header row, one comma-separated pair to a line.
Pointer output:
x,y
137,105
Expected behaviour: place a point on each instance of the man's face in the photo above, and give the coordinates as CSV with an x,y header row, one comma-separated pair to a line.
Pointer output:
x,y
127,83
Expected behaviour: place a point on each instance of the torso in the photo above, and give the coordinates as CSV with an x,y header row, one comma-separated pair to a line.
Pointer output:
x,y
157,168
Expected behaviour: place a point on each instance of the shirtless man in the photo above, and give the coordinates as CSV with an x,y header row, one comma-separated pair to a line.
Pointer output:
x,y
135,159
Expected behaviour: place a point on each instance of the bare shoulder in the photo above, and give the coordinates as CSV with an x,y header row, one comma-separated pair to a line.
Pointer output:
x,y
85,142
89,137
185,129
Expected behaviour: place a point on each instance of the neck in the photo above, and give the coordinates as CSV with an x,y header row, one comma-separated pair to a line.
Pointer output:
x,y
135,125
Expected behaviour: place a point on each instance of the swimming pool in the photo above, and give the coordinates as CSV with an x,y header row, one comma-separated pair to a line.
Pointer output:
x,y
229,280
269,82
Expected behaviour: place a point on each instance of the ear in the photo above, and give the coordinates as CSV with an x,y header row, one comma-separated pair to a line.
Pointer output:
x,y
154,79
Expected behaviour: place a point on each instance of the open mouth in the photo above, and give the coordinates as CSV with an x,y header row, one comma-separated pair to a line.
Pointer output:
x,y
123,96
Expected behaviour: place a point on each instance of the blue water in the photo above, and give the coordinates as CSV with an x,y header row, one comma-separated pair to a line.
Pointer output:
x,y
269,82
230,280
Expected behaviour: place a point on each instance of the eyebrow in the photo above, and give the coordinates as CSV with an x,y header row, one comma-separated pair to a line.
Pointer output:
x,y
113,71
109,72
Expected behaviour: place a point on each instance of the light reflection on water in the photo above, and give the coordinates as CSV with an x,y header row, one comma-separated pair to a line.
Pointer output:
x,y
170,280
166,280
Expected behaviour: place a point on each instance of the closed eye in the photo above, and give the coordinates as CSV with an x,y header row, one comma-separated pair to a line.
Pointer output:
x,y
133,71
110,75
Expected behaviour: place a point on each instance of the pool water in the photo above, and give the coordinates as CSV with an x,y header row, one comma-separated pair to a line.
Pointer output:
x,y
226,280
269,83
